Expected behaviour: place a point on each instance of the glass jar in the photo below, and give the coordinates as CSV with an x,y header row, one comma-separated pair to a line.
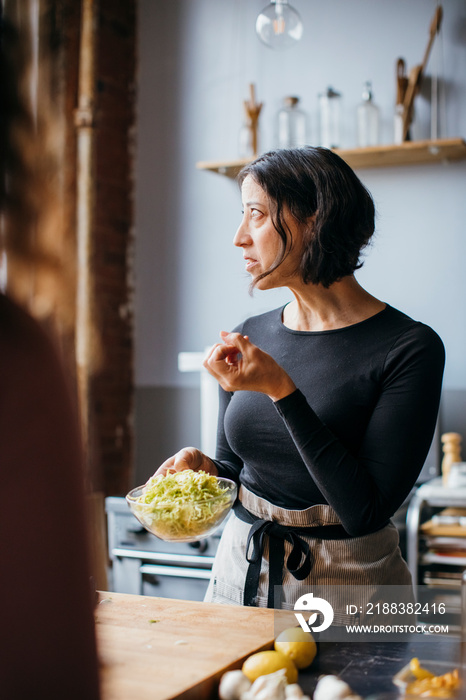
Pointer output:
x,y
291,124
368,119
245,141
330,118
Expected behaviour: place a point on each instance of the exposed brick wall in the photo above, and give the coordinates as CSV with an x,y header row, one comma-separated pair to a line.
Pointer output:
x,y
112,388
110,448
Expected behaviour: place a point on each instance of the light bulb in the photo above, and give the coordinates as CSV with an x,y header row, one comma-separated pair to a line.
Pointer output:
x,y
279,25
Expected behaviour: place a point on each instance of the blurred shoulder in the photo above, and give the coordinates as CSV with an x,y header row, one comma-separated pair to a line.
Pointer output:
x,y
24,343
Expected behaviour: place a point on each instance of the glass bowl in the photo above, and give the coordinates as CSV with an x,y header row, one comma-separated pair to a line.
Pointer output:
x,y
184,522
404,677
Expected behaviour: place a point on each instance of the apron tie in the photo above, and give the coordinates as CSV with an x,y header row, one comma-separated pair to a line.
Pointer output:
x,y
277,535
299,562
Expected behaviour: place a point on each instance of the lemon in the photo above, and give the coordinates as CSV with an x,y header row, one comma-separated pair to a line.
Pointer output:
x,y
264,662
297,645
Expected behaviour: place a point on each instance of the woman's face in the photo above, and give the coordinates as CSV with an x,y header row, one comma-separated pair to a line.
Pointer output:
x,y
261,242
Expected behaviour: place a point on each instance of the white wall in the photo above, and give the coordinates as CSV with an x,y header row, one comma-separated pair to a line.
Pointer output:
x,y
197,58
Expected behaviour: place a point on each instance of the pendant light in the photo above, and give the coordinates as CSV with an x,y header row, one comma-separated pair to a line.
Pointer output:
x,y
279,26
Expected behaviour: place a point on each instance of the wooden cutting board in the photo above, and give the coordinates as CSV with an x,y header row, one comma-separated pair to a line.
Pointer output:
x,y
160,648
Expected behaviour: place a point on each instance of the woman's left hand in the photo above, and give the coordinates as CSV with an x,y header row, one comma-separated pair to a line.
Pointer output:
x,y
237,365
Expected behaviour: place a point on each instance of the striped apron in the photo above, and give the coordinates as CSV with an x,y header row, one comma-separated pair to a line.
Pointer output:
x,y
370,560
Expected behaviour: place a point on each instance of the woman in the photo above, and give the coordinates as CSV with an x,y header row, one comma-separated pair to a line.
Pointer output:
x,y
327,405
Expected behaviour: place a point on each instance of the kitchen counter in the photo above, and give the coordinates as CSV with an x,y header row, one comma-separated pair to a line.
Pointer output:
x,y
159,648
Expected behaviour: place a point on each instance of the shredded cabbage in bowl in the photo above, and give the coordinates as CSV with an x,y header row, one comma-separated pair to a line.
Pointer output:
x,y
185,505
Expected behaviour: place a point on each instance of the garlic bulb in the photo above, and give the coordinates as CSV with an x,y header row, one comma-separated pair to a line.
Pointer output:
x,y
269,687
232,685
294,692
333,688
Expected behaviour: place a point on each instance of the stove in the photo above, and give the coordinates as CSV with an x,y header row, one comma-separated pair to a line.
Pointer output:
x,y
144,565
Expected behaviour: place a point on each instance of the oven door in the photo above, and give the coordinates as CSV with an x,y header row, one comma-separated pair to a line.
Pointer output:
x,y
174,581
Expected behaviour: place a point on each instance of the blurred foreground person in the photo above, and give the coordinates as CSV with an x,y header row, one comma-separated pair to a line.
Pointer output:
x,y
48,647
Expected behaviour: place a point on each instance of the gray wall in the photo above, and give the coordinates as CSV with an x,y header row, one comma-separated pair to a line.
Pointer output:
x,y
196,60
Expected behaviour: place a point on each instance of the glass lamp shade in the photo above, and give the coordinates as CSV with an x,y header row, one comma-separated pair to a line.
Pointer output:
x,y
279,26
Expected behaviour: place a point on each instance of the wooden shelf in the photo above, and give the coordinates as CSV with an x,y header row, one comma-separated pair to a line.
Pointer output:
x,y
408,153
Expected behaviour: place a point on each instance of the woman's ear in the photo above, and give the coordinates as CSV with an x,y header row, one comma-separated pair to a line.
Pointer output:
x,y
309,226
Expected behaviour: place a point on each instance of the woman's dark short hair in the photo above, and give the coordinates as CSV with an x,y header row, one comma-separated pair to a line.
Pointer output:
x,y
316,181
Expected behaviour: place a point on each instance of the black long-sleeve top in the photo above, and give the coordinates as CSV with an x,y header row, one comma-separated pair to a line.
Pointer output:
x,y
356,431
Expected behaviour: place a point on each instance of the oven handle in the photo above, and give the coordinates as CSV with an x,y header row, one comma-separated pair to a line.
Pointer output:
x,y
164,557
174,571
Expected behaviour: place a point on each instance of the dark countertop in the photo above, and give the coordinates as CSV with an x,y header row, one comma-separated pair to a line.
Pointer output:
x,y
369,667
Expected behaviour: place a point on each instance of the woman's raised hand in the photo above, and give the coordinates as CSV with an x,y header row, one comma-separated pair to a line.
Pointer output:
x,y
239,364
188,458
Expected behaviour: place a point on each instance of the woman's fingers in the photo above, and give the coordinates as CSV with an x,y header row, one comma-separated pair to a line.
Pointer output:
x,y
230,351
187,458
239,364
232,361
165,467
220,353
192,458
240,341
209,353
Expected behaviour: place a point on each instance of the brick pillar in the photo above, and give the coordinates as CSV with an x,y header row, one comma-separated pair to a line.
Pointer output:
x,y
112,387
110,448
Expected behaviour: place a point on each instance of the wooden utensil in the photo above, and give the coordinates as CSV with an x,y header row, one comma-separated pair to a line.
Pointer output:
x,y
401,85
253,110
417,72
451,445
401,81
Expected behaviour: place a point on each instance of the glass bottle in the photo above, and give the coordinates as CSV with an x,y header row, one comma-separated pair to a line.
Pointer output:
x,y
330,118
368,119
291,124
398,124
